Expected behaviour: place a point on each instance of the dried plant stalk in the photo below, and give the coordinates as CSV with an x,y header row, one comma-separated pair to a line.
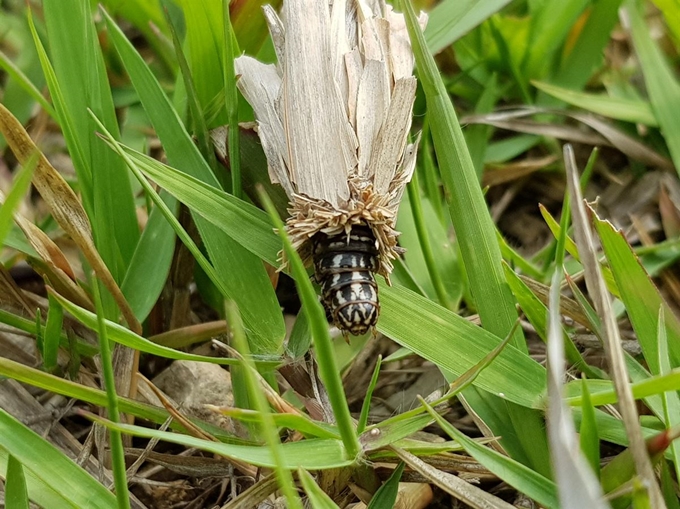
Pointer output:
x,y
333,117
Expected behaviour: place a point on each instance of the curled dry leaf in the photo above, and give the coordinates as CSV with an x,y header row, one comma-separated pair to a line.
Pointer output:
x,y
65,207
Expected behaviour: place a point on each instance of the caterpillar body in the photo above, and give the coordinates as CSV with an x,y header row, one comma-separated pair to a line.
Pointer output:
x,y
333,116
344,267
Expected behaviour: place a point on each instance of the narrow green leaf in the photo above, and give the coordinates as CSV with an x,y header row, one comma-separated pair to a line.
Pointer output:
x,y
451,19
602,392
204,34
628,110
200,129
386,496
150,263
663,87
316,316
231,100
312,454
455,345
268,428
550,25
126,337
81,74
589,438
366,406
243,222
641,298
520,477
317,498
52,335
115,440
584,56
69,482
16,494
15,73
671,401
537,314
21,183
242,274
298,422
475,232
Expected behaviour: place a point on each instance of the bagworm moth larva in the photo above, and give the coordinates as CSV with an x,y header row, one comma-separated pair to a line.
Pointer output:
x,y
333,117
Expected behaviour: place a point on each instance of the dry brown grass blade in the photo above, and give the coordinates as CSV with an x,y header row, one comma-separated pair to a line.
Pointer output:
x,y
568,307
54,267
185,336
11,296
465,492
65,206
254,495
610,332
500,174
602,133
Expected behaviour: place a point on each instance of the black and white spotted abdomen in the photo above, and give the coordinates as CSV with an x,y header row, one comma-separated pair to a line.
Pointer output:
x,y
344,266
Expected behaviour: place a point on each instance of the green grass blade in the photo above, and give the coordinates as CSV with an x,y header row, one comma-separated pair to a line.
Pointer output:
x,y
662,86
317,497
19,77
297,422
115,439
436,279
316,316
585,55
469,213
241,273
366,406
386,496
451,19
126,337
530,483
81,74
641,298
243,222
67,480
671,401
52,333
589,438
16,494
150,263
628,110
313,454
268,427
455,345
22,182
550,24
205,40
200,129
476,234
537,313
231,100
